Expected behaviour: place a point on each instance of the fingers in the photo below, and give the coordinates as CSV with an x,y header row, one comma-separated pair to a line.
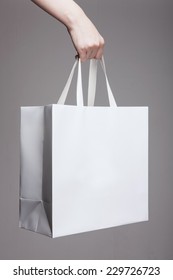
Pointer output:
x,y
101,49
92,51
86,39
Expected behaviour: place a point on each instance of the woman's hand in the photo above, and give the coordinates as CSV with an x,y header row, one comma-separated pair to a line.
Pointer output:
x,y
85,37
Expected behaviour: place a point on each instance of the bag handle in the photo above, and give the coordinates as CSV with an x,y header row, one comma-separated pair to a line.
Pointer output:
x,y
91,84
93,80
79,89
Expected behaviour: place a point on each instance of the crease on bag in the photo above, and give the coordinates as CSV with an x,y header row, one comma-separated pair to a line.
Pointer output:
x,y
33,216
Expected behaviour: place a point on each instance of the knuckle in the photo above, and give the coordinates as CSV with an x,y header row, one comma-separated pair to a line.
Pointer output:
x,y
93,45
102,41
90,46
82,54
82,49
98,56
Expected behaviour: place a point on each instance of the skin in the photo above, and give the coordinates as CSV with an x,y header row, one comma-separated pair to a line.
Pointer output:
x,y
86,39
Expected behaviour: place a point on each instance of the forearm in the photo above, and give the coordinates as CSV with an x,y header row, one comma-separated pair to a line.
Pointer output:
x,y
66,11
85,37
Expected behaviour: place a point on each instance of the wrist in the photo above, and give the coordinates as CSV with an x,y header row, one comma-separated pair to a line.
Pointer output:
x,y
72,19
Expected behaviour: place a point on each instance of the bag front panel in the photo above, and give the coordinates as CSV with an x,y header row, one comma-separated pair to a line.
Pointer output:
x,y
100,167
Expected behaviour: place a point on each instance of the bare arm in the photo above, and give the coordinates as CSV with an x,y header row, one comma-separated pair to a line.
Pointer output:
x,y
85,37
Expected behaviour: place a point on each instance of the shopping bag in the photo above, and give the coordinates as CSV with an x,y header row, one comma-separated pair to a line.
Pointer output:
x,y
83,168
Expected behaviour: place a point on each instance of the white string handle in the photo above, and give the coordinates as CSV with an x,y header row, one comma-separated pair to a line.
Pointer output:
x,y
112,101
93,81
79,90
91,84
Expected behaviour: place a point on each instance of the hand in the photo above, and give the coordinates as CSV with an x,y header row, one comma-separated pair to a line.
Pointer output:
x,y
86,39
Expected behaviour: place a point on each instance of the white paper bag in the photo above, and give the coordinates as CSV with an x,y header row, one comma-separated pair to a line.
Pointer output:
x,y
83,168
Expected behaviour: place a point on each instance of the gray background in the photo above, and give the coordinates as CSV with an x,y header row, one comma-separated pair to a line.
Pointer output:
x,y
36,55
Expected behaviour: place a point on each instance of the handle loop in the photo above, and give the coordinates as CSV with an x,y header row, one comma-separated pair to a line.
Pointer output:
x,y
79,89
91,84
